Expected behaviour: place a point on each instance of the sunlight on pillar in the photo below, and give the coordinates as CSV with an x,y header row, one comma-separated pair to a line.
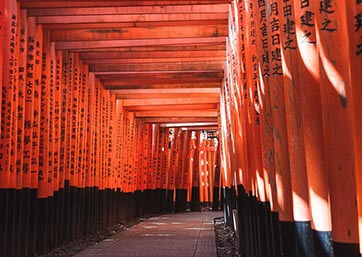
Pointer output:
x,y
241,181
319,209
301,208
261,188
332,73
309,54
280,194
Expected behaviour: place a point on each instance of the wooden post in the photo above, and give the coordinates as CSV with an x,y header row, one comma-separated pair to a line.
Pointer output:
x,y
337,106
354,16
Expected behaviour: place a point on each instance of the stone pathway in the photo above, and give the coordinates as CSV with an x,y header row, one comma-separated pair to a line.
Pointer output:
x,y
179,235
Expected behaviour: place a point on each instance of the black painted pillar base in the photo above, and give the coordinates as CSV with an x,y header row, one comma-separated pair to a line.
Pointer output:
x,y
162,204
215,202
288,236
156,202
181,200
241,208
24,226
229,204
346,249
195,199
170,205
148,201
276,234
138,203
121,202
323,243
305,245
41,239
3,220
32,222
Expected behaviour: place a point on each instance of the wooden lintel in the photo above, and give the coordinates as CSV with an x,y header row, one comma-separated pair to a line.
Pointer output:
x,y
65,45
152,54
166,91
179,120
153,60
130,18
166,86
169,101
180,113
139,33
60,4
177,66
175,107
207,8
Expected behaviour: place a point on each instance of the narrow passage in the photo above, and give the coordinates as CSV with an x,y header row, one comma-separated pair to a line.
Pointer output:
x,y
179,235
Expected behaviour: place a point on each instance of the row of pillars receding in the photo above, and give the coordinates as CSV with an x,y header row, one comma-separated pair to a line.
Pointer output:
x,y
73,161
291,126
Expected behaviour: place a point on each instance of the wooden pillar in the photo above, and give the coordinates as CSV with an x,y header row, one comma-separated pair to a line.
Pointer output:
x,y
308,66
281,157
354,19
295,131
195,195
337,106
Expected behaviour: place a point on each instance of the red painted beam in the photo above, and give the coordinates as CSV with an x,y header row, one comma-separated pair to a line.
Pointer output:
x,y
59,4
150,49
152,54
164,86
138,24
155,60
138,42
210,8
139,33
178,66
130,18
172,107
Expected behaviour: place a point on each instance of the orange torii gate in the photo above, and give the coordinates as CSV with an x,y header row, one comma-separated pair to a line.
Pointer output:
x,y
104,104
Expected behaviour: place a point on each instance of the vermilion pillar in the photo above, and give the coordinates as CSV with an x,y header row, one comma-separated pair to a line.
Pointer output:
x,y
281,155
295,130
354,16
308,66
337,106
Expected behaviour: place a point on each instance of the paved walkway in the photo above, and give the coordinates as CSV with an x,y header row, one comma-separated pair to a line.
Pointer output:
x,y
177,235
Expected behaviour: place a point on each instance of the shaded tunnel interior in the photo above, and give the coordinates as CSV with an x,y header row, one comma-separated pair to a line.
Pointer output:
x,y
113,110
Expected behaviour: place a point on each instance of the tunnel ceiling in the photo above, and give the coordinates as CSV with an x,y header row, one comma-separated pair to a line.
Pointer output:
x,y
163,58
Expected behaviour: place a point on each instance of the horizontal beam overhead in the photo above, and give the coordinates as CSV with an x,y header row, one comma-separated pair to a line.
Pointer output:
x,y
190,125
181,113
152,54
169,86
130,18
150,48
116,80
172,107
58,4
138,24
117,84
139,33
177,66
207,8
167,93
170,101
152,60
179,120
65,45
